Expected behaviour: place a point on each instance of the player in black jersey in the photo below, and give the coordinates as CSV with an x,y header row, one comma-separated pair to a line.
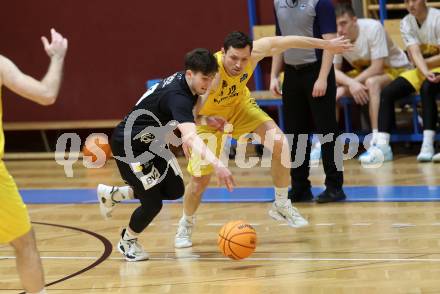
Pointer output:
x,y
140,145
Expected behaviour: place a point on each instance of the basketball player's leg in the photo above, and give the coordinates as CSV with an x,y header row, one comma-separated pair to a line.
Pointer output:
x,y
397,89
193,193
375,84
109,196
251,119
141,217
275,141
157,181
15,229
191,201
429,93
28,263
144,179
200,172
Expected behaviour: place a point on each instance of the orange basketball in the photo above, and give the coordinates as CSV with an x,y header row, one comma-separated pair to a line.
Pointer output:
x,y
237,239
96,143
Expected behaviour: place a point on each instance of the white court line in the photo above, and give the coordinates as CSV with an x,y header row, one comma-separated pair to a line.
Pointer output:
x,y
34,209
248,259
325,225
362,224
402,225
222,224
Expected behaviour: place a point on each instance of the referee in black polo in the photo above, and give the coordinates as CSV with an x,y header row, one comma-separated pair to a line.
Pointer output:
x,y
309,92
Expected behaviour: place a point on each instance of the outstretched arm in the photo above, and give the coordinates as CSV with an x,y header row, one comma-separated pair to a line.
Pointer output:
x,y
43,92
277,67
270,46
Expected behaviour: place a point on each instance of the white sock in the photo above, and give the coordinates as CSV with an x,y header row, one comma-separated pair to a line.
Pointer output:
x,y
315,142
129,236
383,139
428,137
374,137
123,193
40,292
281,194
188,218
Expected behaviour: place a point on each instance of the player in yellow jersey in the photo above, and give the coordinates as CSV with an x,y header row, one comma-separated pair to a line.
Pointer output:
x,y
229,103
420,31
15,227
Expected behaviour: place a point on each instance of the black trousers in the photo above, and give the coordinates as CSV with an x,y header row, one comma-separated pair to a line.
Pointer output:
x,y
141,179
305,114
396,90
430,93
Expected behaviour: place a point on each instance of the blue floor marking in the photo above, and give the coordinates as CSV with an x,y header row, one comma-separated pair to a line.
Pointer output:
x,y
259,194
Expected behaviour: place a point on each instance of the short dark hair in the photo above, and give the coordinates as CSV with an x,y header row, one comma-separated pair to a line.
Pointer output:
x,y
237,40
201,60
344,8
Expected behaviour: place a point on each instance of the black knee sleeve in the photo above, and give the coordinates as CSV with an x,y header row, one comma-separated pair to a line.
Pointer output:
x,y
144,214
173,188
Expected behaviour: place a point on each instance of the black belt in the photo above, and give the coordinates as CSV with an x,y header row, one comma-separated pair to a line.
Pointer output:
x,y
302,66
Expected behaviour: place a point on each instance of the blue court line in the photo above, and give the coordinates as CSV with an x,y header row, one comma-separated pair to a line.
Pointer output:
x,y
260,194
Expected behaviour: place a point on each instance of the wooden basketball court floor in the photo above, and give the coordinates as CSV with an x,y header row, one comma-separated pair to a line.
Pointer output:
x,y
384,239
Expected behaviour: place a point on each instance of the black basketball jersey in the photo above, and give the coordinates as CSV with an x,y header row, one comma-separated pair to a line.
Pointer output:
x,y
171,99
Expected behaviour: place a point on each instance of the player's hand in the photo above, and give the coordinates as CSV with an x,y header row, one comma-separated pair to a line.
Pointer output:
x,y
432,77
359,93
186,150
216,122
275,86
339,45
58,45
224,176
319,88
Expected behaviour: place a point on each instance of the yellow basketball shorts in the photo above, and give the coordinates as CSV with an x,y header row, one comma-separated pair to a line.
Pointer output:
x,y
416,78
244,119
14,217
392,73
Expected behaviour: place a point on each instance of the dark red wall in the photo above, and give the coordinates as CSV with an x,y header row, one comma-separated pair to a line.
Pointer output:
x,y
114,47
265,12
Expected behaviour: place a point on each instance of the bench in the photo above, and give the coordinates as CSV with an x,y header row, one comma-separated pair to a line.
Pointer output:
x,y
392,27
416,135
43,126
371,8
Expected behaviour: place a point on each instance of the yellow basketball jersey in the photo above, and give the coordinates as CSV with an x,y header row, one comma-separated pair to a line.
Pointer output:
x,y
2,136
427,35
230,92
